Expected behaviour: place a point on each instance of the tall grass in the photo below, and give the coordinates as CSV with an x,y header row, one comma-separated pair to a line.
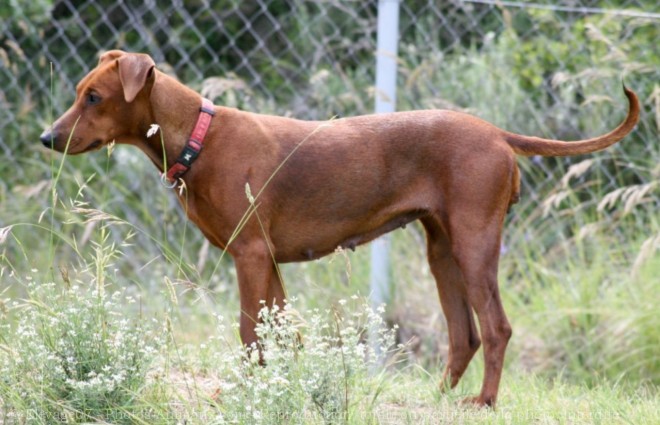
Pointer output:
x,y
318,364
70,354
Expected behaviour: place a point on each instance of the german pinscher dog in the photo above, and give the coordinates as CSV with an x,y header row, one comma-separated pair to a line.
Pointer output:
x,y
322,185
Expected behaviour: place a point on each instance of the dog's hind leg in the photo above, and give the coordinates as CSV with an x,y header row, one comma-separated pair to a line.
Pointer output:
x,y
463,335
476,248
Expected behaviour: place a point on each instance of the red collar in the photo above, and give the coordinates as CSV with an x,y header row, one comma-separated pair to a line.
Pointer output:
x,y
194,145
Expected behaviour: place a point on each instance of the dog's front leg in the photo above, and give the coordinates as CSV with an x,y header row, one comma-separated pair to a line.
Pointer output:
x,y
256,274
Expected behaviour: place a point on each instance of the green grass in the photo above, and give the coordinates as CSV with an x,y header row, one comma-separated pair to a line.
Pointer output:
x,y
524,399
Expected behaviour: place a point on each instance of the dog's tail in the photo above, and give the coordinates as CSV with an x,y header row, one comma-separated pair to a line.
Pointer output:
x,y
528,146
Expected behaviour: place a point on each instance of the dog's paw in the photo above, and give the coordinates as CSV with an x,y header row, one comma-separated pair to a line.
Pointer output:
x,y
479,402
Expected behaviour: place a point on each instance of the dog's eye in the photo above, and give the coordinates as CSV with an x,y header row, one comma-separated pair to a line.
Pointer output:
x,y
93,99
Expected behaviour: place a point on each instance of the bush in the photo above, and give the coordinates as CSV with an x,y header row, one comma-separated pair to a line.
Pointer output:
x,y
72,355
318,368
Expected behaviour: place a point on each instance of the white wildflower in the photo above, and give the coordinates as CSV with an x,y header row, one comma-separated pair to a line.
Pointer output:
x,y
248,193
4,232
153,129
278,380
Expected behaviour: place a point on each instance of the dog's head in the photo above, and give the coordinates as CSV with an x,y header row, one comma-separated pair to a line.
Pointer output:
x,y
109,105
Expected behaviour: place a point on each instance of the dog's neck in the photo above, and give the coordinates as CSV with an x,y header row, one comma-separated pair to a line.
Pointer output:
x,y
175,109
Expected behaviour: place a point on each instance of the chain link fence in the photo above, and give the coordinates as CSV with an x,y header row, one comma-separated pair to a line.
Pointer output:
x,y
545,68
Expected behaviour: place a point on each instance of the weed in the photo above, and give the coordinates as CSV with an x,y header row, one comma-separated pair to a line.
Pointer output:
x,y
72,355
318,365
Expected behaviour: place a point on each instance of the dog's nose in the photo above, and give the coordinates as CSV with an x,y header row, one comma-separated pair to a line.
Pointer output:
x,y
47,138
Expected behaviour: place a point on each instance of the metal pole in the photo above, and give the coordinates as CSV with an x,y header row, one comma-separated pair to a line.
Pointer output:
x,y
386,61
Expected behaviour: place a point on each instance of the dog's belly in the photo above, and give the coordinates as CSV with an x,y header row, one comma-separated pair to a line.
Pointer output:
x,y
349,209
312,242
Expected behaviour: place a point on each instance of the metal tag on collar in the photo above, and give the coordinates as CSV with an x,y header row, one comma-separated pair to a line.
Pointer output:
x,y
166,182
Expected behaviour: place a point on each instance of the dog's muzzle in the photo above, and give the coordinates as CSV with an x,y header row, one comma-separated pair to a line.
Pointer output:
x,y
47,138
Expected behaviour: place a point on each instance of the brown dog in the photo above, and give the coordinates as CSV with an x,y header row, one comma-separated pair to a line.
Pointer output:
x,y
322,185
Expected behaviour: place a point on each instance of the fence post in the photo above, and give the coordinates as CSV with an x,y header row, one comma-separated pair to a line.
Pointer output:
x,y
386,61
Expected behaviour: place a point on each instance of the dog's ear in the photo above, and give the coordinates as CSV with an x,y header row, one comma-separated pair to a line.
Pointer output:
x,y
110,55
134,72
